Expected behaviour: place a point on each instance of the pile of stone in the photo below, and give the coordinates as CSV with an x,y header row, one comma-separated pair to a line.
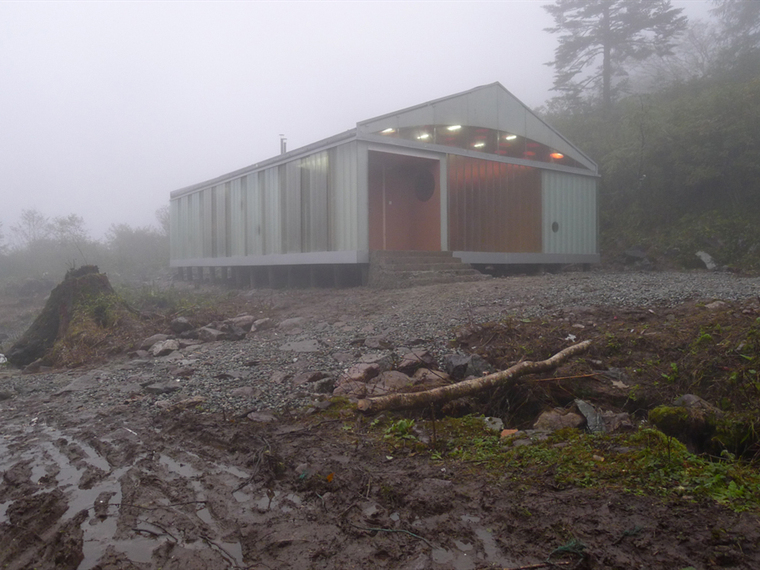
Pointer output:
x,y
185,334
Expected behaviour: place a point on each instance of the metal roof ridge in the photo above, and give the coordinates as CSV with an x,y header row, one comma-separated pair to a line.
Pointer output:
x,y
432,102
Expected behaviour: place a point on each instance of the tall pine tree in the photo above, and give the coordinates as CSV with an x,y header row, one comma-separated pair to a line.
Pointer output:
x,y
598,37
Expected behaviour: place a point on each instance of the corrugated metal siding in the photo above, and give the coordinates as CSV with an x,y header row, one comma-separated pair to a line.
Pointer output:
x,y
493,206
343,165
272,222
237,220
315,220
570,202
309,204
290,193
254,204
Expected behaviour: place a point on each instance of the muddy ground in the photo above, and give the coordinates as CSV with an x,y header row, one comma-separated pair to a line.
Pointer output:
x,y
116,487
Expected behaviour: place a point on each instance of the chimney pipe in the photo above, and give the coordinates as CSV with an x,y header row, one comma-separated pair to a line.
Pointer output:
x,y
283,144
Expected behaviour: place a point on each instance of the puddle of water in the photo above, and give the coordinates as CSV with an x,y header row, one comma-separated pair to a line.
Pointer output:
x,y
463,546
241,497
491,549
232,470
91,456
205,516
99,535
181,469
138,549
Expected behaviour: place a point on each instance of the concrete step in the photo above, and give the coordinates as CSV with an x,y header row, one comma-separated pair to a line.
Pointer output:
x,y
396,269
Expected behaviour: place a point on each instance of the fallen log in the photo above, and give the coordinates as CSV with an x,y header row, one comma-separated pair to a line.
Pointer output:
x,y
402,400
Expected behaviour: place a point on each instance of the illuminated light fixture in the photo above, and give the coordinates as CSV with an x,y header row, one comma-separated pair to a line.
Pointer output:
x,y
454,127
388,131
423,136
529,153
479,144
557,155
510,137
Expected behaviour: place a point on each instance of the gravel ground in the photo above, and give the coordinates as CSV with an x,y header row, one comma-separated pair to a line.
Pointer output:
x,y
326,331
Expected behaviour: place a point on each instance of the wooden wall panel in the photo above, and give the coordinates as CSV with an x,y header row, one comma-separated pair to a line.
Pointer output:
x,y
493,207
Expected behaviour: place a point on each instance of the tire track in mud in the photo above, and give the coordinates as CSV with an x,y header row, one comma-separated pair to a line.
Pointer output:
x,y
55,481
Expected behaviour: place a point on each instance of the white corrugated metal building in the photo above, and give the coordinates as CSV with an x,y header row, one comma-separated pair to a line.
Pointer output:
x,y
476,173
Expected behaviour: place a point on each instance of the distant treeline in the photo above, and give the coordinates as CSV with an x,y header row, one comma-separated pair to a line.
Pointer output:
x,y
42,248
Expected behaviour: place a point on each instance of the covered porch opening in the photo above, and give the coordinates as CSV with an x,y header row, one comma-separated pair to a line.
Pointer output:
x,y
404,203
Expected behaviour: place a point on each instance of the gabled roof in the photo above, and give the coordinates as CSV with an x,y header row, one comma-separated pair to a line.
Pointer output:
x,y
489,106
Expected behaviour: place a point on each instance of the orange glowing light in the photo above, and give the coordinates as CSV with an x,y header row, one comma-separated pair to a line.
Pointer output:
x,y
557,155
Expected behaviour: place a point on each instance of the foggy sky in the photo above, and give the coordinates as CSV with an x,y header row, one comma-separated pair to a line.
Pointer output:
x,y
105,108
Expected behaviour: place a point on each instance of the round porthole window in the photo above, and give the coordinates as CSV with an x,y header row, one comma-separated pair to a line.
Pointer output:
x,y
555,227
424,185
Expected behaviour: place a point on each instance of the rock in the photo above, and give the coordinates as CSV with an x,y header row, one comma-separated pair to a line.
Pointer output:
x,y
460,366
594,421
278,377
425,379
151,340
262,417
715,305
456,365
495,424
692,420
342,357
5,395
189,402
290,324
361,372
233,375
507,433
208,334
245,392
243,322
301,346
163,387
180,325
233,333
616,422
384,361
692,401
263,324
707,259
390,381
554,420
307,377
85,382
377,342
416,359
350,389
324,386
162,348
182,371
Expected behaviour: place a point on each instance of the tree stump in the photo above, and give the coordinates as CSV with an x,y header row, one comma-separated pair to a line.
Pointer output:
x,y
52,323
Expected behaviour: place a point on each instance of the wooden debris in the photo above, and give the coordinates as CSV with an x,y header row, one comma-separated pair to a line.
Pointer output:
x,y
400,400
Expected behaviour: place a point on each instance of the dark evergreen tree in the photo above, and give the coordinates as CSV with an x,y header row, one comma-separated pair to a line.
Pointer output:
x,y
598,37
740,26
